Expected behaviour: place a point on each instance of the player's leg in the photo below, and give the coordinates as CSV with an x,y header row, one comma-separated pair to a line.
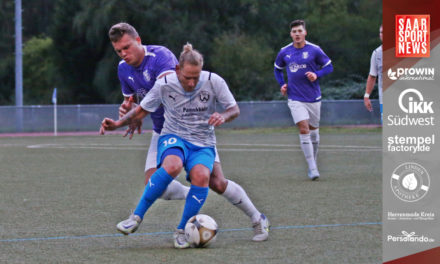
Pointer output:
x,y
175,190
314,137
314,110
236,195
170,165
301,118
199,164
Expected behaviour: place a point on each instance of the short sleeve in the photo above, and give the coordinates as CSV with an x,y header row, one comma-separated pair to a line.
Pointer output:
x,y
222,92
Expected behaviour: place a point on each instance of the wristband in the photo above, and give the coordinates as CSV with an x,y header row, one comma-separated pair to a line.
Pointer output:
x,y
366,95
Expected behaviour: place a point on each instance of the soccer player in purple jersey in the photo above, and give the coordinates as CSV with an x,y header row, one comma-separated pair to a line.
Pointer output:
x,y
305,63
138,71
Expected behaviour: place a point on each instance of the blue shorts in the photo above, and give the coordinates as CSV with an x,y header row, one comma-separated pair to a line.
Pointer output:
x,y
192,154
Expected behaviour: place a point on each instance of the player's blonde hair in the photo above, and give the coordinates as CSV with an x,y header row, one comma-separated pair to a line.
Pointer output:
x,y
191,56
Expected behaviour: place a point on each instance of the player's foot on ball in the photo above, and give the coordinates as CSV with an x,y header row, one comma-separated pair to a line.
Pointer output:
x,y
129,225
313,174
180,239
261,229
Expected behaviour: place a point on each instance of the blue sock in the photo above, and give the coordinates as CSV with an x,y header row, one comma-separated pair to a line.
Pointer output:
x,y
155,187
194,201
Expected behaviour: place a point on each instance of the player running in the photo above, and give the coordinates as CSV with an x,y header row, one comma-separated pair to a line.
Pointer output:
x,y
140,68
187,138
305,62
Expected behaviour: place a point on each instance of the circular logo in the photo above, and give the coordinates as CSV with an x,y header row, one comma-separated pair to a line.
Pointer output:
x,y
410,182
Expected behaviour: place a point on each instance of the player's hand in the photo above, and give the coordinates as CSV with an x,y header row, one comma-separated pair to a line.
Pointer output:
x,y
367,104
311,76
216,119
137,125
283,89
126,106
107,124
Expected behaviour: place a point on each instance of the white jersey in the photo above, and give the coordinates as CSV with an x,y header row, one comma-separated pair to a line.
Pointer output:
x,y
187,113
376,68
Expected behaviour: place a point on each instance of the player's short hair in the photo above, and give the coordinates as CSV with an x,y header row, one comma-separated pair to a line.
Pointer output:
x,y
117,31
298,22
190,55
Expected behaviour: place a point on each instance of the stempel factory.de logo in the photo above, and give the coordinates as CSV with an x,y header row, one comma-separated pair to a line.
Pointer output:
x,y
412,35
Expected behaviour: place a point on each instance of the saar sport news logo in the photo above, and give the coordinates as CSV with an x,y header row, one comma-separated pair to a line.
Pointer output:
x,y
412,237
412,74
410,182
412,35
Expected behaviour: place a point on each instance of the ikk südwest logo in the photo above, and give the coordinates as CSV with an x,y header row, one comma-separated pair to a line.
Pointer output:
x,y
412,35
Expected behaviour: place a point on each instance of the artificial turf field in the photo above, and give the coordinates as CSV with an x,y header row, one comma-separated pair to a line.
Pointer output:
x,y
61,197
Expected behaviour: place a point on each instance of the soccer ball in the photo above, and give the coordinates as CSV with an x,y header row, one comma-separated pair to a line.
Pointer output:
x,y
201,230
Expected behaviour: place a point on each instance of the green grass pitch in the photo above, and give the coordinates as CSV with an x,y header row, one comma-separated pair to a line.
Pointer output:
x,y
60,199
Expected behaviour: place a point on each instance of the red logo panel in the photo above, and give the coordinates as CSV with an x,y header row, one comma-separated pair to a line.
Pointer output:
x,y
412,35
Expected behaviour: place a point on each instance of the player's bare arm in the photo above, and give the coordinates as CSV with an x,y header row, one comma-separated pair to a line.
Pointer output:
x,y
371,80
230,114
127,105
134,115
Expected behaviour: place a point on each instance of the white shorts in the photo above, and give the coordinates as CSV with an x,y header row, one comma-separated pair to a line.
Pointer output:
x,y
305,111
151,161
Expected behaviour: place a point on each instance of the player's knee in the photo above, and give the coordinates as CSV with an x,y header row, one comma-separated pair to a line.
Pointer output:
x,y
172,165
217,181
200,176
303,127
218,185
304,130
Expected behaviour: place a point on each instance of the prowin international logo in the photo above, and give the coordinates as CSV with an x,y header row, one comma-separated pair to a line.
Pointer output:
x,y
410,182
412,237
412,74
411,106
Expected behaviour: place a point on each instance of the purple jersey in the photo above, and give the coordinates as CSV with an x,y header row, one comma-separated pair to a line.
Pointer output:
x,y
299,61
139,80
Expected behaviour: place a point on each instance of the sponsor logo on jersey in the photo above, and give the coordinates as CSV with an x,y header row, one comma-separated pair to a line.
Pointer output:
x,y
305,54
294,67
204,96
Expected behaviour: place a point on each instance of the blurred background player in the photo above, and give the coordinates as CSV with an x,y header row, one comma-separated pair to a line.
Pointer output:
x,y
305,62
375,70
232,191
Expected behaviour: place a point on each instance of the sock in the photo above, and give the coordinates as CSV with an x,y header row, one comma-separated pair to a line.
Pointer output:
x,y
235,194
154,188
307,148
194,202
175,191
314,137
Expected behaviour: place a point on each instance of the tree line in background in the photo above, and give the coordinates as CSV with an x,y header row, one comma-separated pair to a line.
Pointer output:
x,y
66,44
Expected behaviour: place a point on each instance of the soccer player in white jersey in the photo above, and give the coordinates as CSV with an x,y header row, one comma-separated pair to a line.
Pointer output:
x,y
305,63
141,66
187,139
375,70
